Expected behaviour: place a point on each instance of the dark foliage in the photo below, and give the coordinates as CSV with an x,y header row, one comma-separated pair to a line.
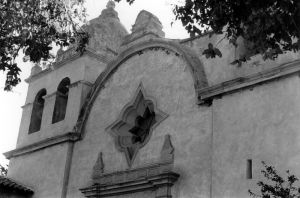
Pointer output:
x,y
275,185
212,52
33,26
3,170
270,27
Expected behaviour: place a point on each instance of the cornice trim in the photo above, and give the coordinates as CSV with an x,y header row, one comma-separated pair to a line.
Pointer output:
x,y
130,38
158,177
50,95
26,105
32,78
208,93
84,82
68,137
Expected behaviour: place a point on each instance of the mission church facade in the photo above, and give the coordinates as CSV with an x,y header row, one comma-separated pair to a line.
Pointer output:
x,y
140,115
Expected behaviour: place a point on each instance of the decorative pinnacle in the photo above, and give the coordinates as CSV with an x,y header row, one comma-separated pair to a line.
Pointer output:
x,y
110,4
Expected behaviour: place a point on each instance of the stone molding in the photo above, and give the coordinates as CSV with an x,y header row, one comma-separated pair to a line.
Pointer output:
x,y
69,57
128,39
167,151
84,82
71,54
158,177
74,84
98,168
116,128
194,64
205,95
50,95
145,23
68,137
26,105
38,75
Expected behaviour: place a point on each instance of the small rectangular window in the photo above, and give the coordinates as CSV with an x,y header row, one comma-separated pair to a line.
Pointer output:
x,y
249,169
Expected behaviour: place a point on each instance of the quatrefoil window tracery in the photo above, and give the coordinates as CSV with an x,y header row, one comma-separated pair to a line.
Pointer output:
x,y
135,124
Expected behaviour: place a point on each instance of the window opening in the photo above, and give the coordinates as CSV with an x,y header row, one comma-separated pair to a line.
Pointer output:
x,y
61,101
37,112
249,169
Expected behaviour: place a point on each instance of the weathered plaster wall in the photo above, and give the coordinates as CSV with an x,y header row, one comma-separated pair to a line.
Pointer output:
x,y
219,69
84,68
261,123
42,171
166,78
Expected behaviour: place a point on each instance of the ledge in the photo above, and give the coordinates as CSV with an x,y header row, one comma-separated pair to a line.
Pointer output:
x,y
74,84
68,137
130,38
207,94
157,177
26,105
84,82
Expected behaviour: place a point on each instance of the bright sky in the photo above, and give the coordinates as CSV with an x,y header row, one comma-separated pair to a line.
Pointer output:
x,y
11,102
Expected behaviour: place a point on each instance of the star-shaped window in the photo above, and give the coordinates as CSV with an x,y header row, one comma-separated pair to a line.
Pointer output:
x,y
135,124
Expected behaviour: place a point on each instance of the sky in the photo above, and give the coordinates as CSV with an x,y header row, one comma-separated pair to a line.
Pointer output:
x,y
11,102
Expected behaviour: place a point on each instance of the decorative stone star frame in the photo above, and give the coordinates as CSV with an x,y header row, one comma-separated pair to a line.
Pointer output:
x,y
134,126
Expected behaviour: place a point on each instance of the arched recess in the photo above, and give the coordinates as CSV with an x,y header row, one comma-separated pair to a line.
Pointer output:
x,y
37,111
194,64
61,100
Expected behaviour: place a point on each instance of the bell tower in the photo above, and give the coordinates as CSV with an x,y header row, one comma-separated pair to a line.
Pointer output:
x,y
55,96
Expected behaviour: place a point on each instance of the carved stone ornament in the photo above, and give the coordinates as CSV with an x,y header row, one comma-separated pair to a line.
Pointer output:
x,y
167,151
35,69
147,22
64,55
110,4
158,177
135,124
98,167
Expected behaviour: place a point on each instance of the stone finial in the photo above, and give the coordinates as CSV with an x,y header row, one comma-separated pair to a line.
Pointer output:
x,y
147,26
59,54
60,51
110,4
109,12
147,22
167,151
35,69
99,166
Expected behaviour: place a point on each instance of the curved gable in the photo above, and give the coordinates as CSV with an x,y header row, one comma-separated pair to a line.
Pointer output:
x,y
195,67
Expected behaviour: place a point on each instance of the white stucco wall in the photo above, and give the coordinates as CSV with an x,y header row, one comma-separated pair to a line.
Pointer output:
x,y
220,69
166,78
212,143
83,69
42,171
262,124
